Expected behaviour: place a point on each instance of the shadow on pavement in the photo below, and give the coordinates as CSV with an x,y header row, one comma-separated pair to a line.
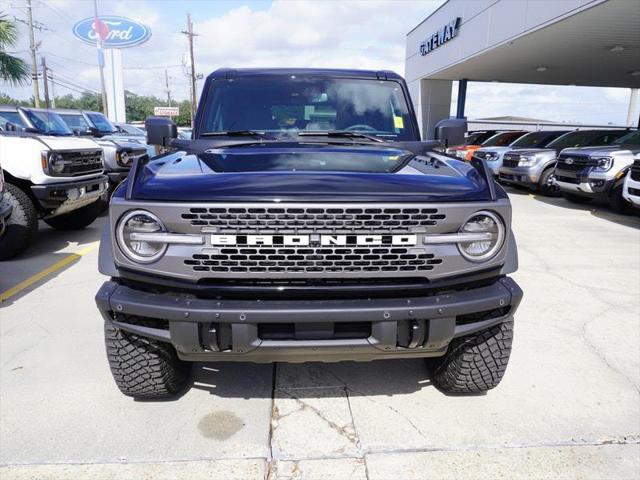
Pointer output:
x,y
247,380
46,252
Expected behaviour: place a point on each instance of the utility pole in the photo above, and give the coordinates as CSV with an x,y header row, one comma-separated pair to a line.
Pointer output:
x,y
45,79
100,58
166,83
189,33
34,63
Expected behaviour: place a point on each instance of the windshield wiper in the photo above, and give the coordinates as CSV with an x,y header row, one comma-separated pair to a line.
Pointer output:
x,y
236,133
341,134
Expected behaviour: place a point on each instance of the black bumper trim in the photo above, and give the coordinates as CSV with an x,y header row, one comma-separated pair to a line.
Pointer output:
x,y
185,315
45,192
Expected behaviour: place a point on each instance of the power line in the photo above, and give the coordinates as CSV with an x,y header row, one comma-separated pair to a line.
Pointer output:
x,y
154,67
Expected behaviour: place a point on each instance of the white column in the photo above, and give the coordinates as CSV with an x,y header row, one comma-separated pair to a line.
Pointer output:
x,y
632,113
435,104
114,82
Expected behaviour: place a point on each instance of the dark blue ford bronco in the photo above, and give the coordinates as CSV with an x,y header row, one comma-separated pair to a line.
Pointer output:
x,y
306,221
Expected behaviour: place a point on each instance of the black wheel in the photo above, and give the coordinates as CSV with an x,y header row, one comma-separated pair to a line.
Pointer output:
x,y
618,202
545,186
77,219
476,363
144,368
22,225
577,198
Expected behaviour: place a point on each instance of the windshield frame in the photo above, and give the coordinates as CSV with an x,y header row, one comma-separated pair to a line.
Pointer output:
x,y
208,91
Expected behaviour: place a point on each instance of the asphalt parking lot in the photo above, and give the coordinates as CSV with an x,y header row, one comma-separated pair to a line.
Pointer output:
x,y
569,406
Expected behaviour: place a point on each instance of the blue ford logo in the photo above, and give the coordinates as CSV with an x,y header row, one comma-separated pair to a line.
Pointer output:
x,y
116,32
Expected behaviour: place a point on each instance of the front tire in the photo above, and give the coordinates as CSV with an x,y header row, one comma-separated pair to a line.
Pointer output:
x,y
77,219
22,226
545,187
476,363
577,198
618,203
144,368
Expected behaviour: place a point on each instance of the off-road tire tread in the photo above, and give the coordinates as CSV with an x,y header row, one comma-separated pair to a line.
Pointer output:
x,y
476,363
144,368
77,219
543,188
15,241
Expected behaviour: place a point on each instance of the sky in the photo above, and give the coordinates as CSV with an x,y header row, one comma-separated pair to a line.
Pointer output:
x,y
366,34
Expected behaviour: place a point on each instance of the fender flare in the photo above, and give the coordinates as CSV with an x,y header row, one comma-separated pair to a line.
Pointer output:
x,y
106,264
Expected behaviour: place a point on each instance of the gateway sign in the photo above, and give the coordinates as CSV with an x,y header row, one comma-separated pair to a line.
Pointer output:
x,y
442,36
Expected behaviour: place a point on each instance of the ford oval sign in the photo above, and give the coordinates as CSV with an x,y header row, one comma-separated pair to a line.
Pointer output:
x,y
116,32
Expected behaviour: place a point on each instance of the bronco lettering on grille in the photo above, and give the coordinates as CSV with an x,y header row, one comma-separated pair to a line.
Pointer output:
x,y
314,239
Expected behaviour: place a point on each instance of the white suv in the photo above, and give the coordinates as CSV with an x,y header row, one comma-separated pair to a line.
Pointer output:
x,y
49,174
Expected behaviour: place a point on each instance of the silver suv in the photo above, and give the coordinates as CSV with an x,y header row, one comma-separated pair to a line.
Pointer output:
x,y
583,174
533,167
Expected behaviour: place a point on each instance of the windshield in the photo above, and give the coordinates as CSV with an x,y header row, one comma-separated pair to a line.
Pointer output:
x,y
536,139
48,122
632,138
131,129
11,117
502,139
101,122
583,139
288,104
75,121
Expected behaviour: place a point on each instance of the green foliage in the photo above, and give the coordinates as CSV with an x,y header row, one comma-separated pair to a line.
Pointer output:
x,y
138,107
13,70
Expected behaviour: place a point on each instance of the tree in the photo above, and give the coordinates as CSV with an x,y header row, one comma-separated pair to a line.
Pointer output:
x,y
13,70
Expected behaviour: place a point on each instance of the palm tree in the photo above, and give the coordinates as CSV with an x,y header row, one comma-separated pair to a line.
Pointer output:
x,y
13,70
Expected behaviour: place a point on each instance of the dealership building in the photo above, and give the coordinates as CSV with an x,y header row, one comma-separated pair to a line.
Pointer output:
x,y
560,42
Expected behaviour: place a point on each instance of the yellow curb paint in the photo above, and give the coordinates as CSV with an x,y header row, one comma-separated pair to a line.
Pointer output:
x,y
71,258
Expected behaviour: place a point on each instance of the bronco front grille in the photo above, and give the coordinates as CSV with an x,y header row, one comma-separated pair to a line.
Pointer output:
x,y
314,220
314,260
82,162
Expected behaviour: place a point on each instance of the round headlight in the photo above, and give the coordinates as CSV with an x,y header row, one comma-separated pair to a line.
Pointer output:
x,y
56,162
125,158
137,249
482,250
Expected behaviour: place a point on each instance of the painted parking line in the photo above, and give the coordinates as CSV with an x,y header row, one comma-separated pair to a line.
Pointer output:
x,y
69,259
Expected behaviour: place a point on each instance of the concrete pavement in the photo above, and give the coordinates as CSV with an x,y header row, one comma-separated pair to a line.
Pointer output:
x,y
568,406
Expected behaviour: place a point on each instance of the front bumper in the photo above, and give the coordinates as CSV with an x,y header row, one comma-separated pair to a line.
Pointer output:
x,y
242,330
583,182
631,191
65,197
528,176
5,212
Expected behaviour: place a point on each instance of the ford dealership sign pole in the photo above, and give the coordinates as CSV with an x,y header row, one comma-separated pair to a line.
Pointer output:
x,y
113,34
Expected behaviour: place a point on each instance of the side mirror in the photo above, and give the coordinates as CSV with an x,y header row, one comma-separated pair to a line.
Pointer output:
x,y
160,131
93,131
450,131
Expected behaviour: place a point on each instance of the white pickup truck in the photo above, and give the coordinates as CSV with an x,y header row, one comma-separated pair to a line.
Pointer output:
x,y
49,174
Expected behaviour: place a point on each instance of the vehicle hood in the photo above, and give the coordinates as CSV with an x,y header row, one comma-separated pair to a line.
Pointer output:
x,y
533,151
68,143
495,149
308,174
601,151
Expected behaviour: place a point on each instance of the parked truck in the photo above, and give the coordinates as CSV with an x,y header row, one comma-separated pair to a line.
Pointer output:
x,y
306,221
120,150
583,174
49,174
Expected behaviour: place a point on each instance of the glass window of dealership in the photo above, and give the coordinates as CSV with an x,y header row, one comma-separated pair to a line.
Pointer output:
x,y
517,41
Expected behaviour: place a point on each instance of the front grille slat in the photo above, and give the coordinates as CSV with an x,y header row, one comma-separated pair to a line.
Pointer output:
x,y
82,162
240,221
295,260
575,162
